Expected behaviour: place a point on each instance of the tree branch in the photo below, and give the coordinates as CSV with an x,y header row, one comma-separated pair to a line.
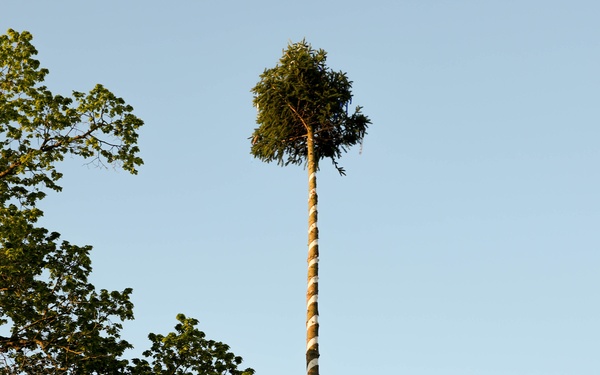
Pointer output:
x,y
299,117
7,343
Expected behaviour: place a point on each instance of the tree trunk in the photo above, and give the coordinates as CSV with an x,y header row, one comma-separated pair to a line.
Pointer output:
x,y
312,291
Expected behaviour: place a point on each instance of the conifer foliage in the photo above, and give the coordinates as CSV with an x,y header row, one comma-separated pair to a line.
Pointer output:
x,y
300,96
303,117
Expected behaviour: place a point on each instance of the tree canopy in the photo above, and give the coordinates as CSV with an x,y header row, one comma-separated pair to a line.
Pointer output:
x,y
52,319
39,128
187,351
301,95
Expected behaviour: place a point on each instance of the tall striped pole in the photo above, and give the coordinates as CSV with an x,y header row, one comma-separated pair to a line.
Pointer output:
x,y
312,290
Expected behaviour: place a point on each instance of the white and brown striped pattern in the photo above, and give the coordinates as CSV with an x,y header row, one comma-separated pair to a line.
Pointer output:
x,y
312,291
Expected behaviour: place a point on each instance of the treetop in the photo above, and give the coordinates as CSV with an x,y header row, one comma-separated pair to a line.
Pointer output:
x,y
299,97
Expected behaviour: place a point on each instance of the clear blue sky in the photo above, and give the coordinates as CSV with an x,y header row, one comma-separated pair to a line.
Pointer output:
x,y
464,239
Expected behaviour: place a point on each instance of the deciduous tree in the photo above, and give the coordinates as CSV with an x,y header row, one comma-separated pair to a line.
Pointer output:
x,y
58,321
304,117
52,319
187,351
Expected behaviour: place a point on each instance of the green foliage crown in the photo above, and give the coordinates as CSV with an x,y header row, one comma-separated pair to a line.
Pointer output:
x,y
300,97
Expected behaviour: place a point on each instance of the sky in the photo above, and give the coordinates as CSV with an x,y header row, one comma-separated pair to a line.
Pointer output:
x,y
464,238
